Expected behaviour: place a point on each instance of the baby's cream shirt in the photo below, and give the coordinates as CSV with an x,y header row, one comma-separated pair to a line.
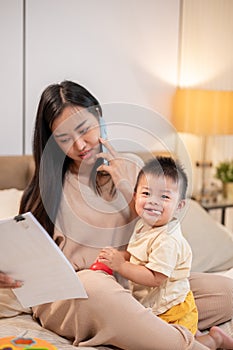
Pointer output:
x,y
165,250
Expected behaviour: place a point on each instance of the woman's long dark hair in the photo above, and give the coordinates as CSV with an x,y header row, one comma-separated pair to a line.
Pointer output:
x,y
42,196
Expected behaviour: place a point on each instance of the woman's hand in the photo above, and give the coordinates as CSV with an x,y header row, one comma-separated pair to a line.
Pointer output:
x,y
8,282
112,258
123,169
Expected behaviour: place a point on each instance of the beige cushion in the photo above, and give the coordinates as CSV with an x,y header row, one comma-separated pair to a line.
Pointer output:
x,y
9,206
211,242
9,202
16,171
9,304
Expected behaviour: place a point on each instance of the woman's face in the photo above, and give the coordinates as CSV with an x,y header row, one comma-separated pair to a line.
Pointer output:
x,y
77,133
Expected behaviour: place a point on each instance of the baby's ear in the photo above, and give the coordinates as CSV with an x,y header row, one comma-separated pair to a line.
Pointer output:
x,y
181,204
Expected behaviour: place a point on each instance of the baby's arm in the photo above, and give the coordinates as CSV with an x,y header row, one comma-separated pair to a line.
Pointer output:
x,y
116,260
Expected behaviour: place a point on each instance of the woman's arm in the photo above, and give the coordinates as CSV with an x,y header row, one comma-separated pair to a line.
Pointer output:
x,y
136,273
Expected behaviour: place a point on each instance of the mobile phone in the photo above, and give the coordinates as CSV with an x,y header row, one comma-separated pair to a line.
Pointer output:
x,y
103,134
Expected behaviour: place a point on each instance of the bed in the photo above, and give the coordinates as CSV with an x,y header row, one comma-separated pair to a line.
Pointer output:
x,y
15,173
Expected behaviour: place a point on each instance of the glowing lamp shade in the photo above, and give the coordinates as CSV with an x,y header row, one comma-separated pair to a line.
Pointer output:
x,y
203,112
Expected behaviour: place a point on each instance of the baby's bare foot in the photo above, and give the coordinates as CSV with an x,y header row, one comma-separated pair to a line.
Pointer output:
x,y
221,339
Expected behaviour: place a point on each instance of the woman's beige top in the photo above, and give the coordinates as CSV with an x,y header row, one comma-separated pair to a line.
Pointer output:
x,y
86,222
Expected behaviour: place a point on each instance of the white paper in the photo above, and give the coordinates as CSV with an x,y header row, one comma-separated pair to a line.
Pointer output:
x,y
29,254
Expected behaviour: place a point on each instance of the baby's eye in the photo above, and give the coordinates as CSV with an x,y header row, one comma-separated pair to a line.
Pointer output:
x,y
164,196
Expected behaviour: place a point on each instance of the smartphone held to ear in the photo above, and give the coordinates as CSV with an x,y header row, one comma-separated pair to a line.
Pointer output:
x,y
103,134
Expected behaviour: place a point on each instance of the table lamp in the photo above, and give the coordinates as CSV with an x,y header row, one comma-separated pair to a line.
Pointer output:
x,y
203,113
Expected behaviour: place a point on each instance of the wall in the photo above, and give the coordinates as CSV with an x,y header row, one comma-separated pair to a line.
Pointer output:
x,y
11,63
120,51
206,62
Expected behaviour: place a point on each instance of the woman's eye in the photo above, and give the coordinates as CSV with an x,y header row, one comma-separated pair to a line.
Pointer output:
x,y
84,131
65,140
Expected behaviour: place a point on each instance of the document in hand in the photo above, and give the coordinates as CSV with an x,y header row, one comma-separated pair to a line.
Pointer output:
x,y
29,254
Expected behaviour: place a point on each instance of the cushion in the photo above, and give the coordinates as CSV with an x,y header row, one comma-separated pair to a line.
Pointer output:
x,y
9,206
9,304
16,171
9,202
211,242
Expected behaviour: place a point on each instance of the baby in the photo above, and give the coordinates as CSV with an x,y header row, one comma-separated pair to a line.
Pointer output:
x,y
158,259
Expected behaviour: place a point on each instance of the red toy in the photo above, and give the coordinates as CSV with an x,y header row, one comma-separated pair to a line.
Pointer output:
x,y
100,266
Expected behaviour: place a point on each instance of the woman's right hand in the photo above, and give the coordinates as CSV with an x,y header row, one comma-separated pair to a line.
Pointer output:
x,y
122,168
8,282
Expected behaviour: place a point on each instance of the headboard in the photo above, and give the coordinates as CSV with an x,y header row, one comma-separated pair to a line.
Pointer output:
x,y
15,171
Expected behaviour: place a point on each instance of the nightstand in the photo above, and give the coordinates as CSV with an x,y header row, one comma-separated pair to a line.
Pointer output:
x,y
222,205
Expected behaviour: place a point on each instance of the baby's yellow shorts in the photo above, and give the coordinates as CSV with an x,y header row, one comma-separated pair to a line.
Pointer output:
x,y
184,314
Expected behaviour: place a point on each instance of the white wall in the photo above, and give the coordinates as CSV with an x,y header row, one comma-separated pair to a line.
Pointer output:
x,y
122,51
11,100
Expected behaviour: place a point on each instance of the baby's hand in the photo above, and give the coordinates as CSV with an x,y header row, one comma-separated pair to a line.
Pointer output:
x,y
112,258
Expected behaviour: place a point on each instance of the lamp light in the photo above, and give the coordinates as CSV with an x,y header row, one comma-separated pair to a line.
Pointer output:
x,y
204,113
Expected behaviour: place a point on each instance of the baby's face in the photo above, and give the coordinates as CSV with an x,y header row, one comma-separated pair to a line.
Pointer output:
x,y
157,199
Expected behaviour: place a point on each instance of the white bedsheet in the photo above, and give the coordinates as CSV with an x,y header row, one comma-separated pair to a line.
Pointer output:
x,y
15,326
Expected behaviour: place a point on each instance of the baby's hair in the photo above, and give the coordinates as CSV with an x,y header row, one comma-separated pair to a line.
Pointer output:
x,y
168,167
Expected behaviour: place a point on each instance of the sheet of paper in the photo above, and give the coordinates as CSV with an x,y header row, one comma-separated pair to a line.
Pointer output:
x,y
29,254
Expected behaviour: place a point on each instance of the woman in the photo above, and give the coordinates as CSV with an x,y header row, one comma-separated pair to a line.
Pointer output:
x,y
85,204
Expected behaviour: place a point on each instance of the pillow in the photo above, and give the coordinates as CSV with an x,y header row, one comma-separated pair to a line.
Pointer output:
x,y
9,206
211,242
9,202
9,304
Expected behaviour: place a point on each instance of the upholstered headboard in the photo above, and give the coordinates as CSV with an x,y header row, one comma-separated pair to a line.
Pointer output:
x,y
15,171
